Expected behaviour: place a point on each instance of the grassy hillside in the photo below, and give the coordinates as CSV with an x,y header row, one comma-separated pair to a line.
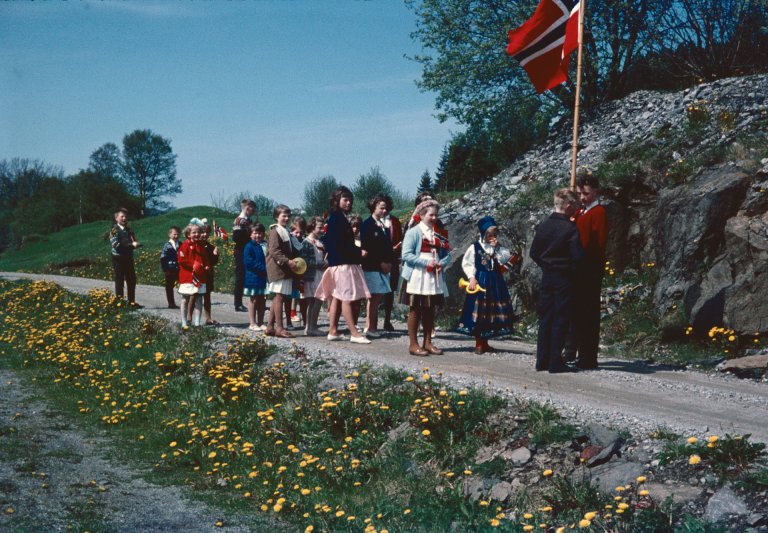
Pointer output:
x,y
83,250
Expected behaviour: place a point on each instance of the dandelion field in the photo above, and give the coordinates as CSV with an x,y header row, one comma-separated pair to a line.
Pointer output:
x,y
281,437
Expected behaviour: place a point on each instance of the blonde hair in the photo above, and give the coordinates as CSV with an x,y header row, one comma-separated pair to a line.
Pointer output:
x,y
565,197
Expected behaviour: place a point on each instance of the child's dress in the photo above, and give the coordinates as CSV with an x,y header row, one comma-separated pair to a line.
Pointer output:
x,y
193,260
486,314
313,253
255,263
425,287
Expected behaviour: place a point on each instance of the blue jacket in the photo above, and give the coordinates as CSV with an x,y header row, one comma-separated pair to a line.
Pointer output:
x,y
255,266
169,258
412,251
375,240
339,241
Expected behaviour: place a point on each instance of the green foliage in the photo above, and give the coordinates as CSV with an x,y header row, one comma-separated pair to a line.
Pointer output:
x,y
425,183
148,168
546,425
567,494
317,194
231,203
369,185
730,457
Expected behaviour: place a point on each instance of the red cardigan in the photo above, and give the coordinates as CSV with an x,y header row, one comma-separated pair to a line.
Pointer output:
x,y
194,263
593,232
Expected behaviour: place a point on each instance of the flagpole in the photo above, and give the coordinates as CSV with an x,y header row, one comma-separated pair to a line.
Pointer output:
x,y
577,102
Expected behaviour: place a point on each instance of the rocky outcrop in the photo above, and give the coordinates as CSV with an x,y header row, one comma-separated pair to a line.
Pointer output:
x,y
706,230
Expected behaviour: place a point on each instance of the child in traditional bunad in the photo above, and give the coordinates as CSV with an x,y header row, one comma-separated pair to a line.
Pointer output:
x,y
280,269
255,260
488,307
169,262
425,254
377,264
343,280
213,258
313,252
193,273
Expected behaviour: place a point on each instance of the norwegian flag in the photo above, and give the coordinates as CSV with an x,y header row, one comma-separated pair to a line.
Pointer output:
x,y
219,232
543,43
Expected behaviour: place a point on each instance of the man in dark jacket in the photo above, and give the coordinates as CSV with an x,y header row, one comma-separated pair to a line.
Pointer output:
x,y
122,242
557,250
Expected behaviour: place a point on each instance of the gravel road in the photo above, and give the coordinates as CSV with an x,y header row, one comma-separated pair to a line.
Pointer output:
x,y
623,394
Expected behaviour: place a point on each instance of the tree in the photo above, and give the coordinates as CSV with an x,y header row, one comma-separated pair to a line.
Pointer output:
x,y
425,185
24,184
317,194
94,196
372,183
231,203
106,161
149,168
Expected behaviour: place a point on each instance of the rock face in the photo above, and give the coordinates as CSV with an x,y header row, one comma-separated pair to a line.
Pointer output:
x,y
706,233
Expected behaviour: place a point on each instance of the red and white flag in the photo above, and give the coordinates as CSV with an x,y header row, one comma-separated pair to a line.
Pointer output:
x,y
543,43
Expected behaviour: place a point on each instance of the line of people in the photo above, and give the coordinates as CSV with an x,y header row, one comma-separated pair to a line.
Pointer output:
x,y
344,261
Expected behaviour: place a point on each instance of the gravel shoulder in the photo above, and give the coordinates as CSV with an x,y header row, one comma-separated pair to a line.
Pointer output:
x,y
622,394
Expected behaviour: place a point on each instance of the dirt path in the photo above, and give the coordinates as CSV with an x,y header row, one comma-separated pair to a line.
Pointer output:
x,y
624,394
55,477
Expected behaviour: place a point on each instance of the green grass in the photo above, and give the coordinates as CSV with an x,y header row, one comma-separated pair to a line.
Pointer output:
x,y
83,250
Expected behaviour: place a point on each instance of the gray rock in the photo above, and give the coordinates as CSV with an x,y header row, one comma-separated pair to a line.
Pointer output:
x,y
601,435
723,503
520,456
502,491
615,473
679,492
750,362
605,455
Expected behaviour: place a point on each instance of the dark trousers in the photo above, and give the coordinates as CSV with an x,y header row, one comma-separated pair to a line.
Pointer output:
x,y
239,277
171,277
555,298
584,333
125,273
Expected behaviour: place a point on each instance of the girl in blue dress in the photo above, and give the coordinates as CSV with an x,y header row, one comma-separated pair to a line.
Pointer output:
x,y
487,311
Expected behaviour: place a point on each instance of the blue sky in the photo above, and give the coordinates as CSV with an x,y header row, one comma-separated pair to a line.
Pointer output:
x,y
261,95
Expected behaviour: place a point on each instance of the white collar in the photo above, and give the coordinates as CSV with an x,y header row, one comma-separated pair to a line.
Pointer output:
x,y
426,230
590,206
175,244
282,232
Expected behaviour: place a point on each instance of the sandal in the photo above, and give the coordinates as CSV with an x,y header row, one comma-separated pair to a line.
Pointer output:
x,y
434,351
419,352
283,334
212,322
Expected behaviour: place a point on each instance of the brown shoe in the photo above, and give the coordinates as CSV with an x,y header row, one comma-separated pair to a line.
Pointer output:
x,y
434,351
283,334
479,350
269,332
419,352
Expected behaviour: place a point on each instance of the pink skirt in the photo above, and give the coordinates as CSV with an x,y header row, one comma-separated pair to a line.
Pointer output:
x,y
343,282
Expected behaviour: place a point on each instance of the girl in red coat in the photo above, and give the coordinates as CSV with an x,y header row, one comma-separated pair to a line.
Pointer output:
x,y
194,265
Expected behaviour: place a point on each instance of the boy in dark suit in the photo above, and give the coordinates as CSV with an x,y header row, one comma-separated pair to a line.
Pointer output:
x,y
122,242
557,250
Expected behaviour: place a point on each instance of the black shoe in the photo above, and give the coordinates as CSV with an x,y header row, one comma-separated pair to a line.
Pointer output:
x,y
569,357
174,306
241,308
136,306
585,366
561,369
388,327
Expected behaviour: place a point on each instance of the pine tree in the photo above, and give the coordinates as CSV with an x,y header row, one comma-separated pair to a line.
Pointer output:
x,y
425,185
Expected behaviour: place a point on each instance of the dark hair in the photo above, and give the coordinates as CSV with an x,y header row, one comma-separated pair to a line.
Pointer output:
x,y
121,210
246,202
421,196
314,222
380,197
587,179
299,223
355,220
174,228
280,208
338,193
258,227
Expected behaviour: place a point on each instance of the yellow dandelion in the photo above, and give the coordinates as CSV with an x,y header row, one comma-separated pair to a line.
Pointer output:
x,y
692,440
643,492
641,479
694,460
426,433
547,472
590,515
584,523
